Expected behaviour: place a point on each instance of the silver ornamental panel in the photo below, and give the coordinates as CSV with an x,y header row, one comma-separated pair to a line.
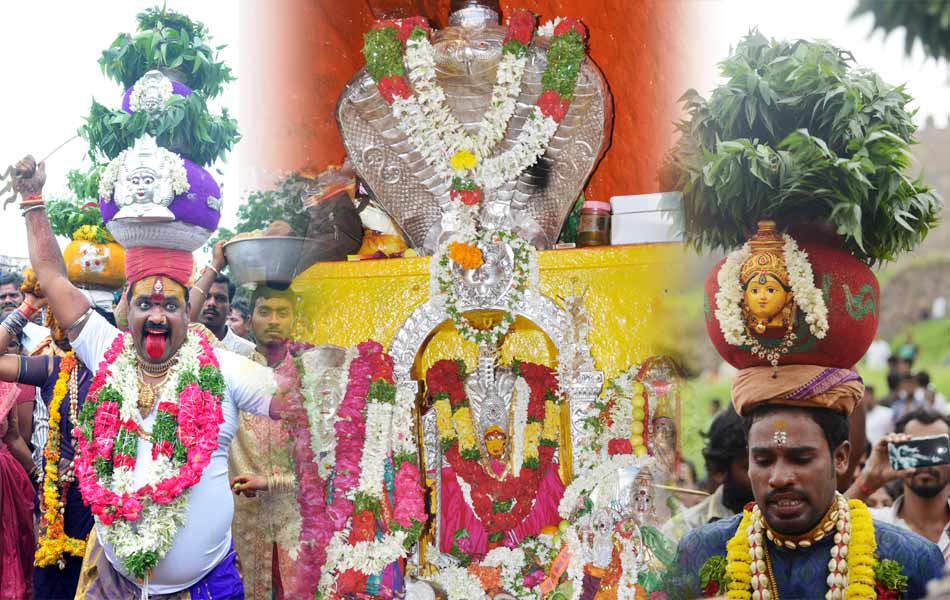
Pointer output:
x,y
414,194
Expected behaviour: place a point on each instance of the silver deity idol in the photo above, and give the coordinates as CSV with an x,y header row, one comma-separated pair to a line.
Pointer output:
x,y
151,92
145,181
418,197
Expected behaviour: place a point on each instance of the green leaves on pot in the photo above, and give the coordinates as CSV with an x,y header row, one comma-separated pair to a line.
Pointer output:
x,y
68,215
925,20
184,127
799,135
168,41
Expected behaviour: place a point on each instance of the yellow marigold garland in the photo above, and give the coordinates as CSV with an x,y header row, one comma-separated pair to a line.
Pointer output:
x,y
738,571
443,420
861,557
54,542
462,419
861,549
552,421
532,437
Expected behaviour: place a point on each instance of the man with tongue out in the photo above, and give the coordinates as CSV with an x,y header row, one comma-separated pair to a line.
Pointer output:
x,y
800,538
197,560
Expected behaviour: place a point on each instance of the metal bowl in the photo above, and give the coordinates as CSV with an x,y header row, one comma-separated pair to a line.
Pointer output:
x,y
274,261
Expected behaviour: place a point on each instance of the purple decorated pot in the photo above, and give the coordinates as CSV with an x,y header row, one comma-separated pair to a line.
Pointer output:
x,y
153,185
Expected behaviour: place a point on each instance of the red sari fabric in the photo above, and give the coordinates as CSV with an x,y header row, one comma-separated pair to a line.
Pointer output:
x,y
16,507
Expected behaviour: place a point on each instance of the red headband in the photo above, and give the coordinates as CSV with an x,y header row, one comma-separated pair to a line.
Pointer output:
x,y
143,262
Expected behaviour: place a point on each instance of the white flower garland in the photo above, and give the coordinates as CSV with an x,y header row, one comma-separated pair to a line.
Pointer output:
x,y
576,562
531,144
375,449
729,297
547,30
154,531
511,561
459,584
420,66
317,381
437,135
403,423
630,567
442,282
521,395
368,558
801,280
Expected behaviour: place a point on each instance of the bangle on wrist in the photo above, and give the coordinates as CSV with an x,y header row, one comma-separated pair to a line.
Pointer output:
x,y
216,272
26,209
28,309
865,489
34,197
15,322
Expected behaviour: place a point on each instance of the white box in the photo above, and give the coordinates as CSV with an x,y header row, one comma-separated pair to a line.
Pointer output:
x,y
638,219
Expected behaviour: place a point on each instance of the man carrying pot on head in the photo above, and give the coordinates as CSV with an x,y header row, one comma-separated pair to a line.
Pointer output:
x,y
260,465
153,436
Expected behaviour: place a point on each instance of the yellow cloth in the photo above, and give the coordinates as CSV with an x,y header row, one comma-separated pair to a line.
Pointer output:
x,y
797,385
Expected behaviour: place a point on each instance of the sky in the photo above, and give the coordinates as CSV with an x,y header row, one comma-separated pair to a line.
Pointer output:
x,y
52,47
51,52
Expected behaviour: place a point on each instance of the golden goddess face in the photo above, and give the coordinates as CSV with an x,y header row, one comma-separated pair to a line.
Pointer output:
x,y
765,297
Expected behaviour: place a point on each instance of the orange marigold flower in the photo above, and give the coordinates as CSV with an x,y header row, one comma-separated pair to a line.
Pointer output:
x,y
466,255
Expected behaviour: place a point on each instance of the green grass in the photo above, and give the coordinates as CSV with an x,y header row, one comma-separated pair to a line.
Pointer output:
x,y
887,272
696,417
931,337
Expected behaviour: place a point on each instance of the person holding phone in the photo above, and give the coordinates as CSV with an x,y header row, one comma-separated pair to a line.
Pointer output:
x,y
924,505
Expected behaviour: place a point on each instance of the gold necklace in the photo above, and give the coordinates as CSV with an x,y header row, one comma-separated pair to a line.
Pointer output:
x,y
825,526
148,392
159,369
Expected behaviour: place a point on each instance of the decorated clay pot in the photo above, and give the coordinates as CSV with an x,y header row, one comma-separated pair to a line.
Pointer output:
x,y
159,199
851,295
92,264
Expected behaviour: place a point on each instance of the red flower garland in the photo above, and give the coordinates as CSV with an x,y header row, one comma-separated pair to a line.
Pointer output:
x,y
197,417
446,379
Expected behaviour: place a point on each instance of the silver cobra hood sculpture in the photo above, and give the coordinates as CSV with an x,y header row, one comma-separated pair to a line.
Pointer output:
x,y
534,205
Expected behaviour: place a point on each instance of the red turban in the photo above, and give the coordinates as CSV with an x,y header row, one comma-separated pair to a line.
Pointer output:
x,y
140,262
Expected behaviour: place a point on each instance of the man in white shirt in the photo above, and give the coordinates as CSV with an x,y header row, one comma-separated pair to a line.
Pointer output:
x,y
879,419
197,558
924,506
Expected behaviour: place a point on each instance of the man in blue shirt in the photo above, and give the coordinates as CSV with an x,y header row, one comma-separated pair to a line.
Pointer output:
x,y
797,427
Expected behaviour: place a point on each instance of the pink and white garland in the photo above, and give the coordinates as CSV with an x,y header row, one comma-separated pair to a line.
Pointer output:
x,y
141,521
373,424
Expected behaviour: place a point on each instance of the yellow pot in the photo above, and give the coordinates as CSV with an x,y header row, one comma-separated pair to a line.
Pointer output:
x,y
89,263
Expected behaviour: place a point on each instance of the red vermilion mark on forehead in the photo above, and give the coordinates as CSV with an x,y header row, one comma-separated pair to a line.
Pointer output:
x,y
158,290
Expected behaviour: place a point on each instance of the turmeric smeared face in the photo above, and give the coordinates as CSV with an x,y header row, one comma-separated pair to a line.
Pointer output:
x,y
158,317
495,442
765,296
